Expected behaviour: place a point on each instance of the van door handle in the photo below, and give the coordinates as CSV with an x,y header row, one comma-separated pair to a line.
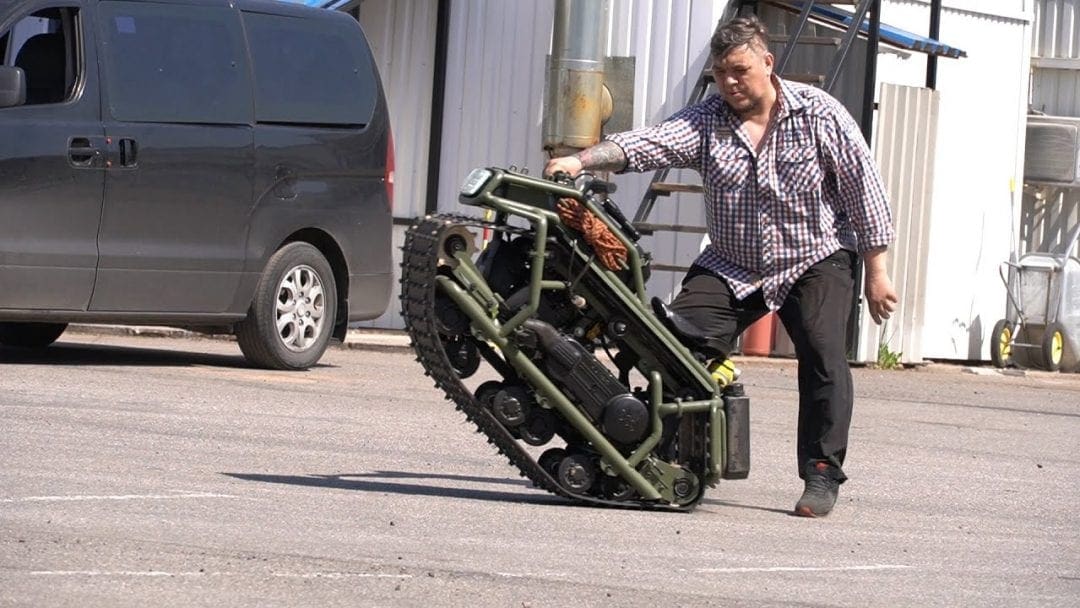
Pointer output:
x,y
129,152
82,153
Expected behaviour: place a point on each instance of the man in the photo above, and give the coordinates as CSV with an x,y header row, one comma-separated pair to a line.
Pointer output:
x,y
791,195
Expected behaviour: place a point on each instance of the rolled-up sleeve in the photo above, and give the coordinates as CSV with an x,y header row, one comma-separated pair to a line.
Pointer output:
x,y
861,192
674,143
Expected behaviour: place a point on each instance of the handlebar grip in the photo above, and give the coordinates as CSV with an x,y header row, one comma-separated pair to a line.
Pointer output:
x,y
601,186
562,177
613,210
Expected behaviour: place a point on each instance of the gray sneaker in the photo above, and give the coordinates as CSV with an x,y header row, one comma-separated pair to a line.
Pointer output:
x,y
820,493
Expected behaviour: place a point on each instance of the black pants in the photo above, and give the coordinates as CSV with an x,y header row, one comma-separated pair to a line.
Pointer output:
x,y
815,314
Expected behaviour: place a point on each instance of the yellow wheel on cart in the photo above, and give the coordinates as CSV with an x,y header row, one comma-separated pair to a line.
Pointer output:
x,y
1053,346
1001,344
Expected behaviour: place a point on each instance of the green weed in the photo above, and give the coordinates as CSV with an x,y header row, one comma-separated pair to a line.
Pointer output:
x,y
886,357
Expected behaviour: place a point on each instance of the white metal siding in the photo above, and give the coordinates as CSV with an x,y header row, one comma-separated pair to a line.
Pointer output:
x,y
494,89
905,147
402,38
1055,50
973,200
976,195
1057,34
495,83
1055,90
493,113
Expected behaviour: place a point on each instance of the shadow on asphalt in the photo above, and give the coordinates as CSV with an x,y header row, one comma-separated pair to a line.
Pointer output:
x,y
356,482
103,354
735,505
469,478
363,482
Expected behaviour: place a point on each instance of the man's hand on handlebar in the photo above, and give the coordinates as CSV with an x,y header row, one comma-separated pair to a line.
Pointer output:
x,y
570,165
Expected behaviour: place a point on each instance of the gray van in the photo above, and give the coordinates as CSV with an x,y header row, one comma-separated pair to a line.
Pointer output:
x,y
220,165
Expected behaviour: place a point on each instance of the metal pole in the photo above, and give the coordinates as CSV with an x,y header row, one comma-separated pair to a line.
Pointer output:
x,y
573,111
438,97
866,123
873,37
935,31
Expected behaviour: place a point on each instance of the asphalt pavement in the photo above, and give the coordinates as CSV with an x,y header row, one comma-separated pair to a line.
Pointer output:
x,y
161,470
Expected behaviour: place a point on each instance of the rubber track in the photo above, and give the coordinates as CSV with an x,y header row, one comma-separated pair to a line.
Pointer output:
x,y
420,257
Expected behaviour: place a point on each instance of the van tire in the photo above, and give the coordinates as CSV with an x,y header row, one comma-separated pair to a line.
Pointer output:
x,y
30,335
297,269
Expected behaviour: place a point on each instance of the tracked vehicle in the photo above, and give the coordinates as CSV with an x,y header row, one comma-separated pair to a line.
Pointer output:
x,y
599,395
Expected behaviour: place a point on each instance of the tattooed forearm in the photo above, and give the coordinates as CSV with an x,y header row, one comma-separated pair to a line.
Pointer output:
x,y
604,156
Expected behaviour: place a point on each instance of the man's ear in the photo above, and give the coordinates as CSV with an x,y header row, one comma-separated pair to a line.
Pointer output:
x,y
770,61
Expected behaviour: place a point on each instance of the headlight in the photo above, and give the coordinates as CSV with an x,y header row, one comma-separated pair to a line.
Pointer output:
x,y
476,180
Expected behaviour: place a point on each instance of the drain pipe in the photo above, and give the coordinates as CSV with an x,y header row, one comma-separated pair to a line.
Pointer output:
x,y
576,101
935,31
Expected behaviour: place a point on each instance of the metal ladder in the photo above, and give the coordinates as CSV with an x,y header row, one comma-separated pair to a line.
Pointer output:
x,y
659,187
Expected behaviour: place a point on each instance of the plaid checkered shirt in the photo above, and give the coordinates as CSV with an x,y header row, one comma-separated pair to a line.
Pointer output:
x,y
812,189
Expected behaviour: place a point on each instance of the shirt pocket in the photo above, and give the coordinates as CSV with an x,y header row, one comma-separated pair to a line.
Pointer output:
x,y
798,170
731,167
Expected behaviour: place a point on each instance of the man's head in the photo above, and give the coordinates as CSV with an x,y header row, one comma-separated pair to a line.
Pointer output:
x,y
742,64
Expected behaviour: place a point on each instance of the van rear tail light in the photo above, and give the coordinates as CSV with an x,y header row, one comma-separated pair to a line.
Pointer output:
x,y
389,175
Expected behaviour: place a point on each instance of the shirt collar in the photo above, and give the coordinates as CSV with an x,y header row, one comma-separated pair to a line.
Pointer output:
x,y
790,101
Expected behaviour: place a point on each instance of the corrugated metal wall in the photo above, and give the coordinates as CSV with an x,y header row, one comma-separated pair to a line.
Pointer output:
x,y
979,163
402,37
905,144
500,47
494,91
493,114
966,215
1049,214
1055,50
1055,90
979,166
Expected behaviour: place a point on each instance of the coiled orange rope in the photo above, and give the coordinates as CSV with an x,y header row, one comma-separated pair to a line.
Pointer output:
x,y
609,249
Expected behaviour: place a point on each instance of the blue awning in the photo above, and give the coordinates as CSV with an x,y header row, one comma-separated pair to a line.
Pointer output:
x,y
889,34
317,3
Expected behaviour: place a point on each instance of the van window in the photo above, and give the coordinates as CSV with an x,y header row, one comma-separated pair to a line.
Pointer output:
x,y
175,64
42,44
310,71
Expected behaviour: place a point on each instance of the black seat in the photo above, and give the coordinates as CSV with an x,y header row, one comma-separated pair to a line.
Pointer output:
x,y
687,332
42,59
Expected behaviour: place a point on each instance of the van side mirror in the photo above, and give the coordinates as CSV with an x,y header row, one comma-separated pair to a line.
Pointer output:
x,y
12,86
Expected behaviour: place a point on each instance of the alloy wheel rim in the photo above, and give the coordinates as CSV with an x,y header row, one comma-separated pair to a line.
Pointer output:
x,y
300,308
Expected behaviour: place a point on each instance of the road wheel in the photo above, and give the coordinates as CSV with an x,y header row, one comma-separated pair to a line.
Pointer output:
x,y
292,316
1001,344
1053,347
30,335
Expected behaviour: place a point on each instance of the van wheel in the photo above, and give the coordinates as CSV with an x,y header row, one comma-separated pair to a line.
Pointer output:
x,y
30,335
292,316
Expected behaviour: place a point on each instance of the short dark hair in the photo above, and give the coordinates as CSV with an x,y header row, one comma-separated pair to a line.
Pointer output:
x,y
738,32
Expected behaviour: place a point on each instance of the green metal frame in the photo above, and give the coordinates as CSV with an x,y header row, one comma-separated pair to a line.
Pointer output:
x,y
473,296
